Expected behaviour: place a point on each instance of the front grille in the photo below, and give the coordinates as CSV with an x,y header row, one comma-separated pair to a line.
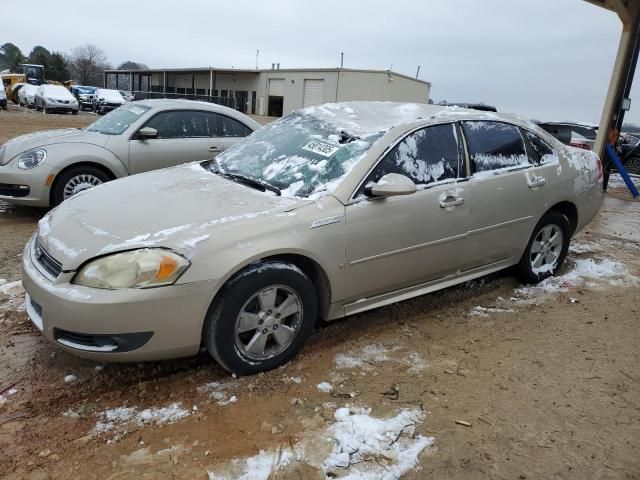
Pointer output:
x,y
50,264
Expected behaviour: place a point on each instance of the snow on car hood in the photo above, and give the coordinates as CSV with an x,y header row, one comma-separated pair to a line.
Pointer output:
x,y
110,96
175,208
23,143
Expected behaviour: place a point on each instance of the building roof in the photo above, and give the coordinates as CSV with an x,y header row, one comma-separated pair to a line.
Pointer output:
x,y
148,71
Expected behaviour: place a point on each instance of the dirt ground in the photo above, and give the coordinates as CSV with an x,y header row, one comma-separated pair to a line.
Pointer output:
x,y
545,382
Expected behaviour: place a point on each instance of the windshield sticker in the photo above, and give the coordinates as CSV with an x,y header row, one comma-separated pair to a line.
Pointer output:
x,y
137,110
324,149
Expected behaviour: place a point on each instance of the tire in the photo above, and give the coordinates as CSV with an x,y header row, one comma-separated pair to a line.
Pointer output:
x,y
232,348
542,243
633,165
92,176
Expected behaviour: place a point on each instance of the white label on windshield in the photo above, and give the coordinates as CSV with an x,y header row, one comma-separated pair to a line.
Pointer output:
x,y
137,110
324,149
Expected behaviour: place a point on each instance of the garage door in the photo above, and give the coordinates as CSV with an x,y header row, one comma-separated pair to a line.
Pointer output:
x,y
276,87
313,92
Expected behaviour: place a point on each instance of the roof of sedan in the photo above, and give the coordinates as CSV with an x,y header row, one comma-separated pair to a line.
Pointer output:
x,y
180,102
362,118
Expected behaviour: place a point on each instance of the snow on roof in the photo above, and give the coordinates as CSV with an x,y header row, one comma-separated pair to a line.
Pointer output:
x,y
362,118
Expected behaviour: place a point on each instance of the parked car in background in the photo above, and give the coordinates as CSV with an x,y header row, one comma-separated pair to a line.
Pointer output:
x,y
3,99
579,135
84,95
105,100
628,150
128,96
327,212
55,98
27,95
45,168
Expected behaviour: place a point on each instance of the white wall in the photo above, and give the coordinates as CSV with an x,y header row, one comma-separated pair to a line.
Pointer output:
x,y
381,86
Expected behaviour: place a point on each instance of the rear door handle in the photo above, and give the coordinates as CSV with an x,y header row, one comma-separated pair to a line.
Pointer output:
x,y
454,202
537,182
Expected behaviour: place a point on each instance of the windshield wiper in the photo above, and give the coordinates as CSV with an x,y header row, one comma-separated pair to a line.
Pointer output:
x,y
212,166
251,182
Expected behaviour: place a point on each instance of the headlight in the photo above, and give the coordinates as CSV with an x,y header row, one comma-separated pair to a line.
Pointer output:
x,y
31,159
147,267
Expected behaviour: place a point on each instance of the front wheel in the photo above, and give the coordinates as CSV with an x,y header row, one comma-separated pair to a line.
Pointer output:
x,y
261,318
633,165
547,248
75,180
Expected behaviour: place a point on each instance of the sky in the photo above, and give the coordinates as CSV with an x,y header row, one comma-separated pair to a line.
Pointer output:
x,y
544,59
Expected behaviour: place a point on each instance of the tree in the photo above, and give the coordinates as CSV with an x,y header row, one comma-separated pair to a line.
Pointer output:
x,y
40,56
57,69
129,65
10,57
87,64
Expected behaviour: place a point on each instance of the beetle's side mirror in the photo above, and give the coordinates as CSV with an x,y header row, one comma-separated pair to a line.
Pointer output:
x,y
146,133
393,184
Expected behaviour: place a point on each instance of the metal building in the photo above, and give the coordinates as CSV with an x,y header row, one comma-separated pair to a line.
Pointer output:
x,y
273,92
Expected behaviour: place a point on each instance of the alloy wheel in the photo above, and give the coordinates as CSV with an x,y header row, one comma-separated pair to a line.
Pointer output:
x,y
546,249
79,183
268,322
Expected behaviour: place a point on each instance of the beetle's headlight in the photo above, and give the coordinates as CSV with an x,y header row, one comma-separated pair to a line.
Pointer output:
x,y
147,267
31,159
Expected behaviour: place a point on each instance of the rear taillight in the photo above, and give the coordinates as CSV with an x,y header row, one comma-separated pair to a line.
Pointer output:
x,y
583,146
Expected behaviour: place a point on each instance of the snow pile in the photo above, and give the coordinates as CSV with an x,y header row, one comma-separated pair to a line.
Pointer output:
x,y
588,272
367,355
372,447
127,416
355,446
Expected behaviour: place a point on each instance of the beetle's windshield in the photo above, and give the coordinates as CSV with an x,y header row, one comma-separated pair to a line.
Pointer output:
x,y
118,120
300,154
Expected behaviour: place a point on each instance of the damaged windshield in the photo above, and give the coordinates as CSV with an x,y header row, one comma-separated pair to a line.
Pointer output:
x,y
118,120
299,155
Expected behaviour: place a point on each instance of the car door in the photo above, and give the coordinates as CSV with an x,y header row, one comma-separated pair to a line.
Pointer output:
x,y
400,241
183,136
229,131
506,192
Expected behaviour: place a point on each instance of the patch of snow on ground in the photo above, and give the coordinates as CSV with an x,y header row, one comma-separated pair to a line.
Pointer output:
x,y
355,446
15,292
416,363
587,272
124,416
218,391
324,387
365,356
487,311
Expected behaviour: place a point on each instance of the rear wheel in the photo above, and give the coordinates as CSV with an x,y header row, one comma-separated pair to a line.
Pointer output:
x,y
76,180
547,248
261,318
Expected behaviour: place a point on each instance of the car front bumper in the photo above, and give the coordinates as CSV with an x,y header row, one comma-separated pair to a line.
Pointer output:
x,y
15,182
127,325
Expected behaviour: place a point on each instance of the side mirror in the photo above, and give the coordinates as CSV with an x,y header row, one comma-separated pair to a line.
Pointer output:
x,y
146,133
393,184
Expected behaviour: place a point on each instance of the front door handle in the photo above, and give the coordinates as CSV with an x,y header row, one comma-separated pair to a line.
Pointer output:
x,y
215,149
537,182
451,202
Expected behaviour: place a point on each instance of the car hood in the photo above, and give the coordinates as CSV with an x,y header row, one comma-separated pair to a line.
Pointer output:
x,y
173,208
23,143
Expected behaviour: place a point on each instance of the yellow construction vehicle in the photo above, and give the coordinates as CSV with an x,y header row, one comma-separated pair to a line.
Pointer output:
x,y
25,73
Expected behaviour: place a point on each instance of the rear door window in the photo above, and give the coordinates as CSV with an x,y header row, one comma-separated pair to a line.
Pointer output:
x,y
428,155
229,127
541,152
494,145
